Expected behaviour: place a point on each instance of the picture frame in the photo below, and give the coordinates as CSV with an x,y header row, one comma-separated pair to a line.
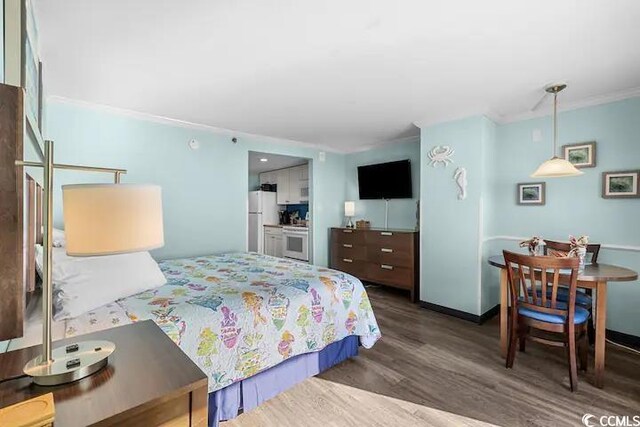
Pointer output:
x,y
531,193
581,155
620,184
31,77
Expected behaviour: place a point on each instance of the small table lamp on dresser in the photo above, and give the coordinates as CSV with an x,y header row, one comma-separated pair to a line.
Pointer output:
x,y
100,219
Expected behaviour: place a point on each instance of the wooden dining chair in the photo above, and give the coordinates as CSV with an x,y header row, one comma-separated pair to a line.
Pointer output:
x,y
561,249
583,299
565,323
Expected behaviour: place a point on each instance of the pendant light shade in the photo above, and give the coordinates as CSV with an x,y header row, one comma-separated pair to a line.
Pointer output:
x,y
555,167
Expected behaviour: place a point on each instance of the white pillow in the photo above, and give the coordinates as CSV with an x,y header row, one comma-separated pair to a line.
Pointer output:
x,y
59,239
82,284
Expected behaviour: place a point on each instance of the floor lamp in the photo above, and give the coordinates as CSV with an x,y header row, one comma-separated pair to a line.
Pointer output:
x,y
100,219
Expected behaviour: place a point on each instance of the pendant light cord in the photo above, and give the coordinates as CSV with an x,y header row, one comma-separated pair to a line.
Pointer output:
x,y
555,124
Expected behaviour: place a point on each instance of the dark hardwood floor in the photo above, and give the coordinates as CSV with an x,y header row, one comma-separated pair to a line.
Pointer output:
x,y
433,369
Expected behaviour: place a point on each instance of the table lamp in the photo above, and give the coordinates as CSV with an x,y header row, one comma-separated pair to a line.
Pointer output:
x,y
100,219
349,212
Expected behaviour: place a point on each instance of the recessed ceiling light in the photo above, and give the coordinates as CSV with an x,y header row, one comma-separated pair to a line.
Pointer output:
x,y
264,160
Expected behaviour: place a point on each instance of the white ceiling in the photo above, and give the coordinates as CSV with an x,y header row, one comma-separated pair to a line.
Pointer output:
x,y
274,162
344,74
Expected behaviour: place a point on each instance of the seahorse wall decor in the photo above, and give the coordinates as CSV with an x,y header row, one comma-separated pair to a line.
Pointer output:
x,y
460,176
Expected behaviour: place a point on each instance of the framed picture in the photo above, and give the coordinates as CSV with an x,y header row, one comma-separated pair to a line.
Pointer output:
x,y
581,155
531,193
620,185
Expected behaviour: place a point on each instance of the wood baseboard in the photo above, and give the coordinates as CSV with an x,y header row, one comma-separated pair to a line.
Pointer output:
x,y
479,319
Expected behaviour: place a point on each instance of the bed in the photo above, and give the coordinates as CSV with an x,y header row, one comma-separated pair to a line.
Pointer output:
x,y
255,324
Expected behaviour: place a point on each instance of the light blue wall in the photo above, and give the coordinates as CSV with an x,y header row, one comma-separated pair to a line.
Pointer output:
x,y
451,231
204,191
497,158
574,205
254,182
402,212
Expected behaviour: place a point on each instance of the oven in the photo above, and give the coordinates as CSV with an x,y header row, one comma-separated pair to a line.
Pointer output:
x,y
295,243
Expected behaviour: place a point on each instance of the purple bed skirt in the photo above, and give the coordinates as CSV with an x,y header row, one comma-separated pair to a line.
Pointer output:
x,y
225,404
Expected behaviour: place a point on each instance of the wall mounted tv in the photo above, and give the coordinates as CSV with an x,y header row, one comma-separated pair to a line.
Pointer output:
x,y
385,181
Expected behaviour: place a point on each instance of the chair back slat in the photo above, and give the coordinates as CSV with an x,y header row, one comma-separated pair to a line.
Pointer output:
x,y
523,283
524,290
532,282
543,283
554,289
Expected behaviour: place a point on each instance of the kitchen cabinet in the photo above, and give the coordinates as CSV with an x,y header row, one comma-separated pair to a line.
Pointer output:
x,y
293,185
273,241
269,178
283,197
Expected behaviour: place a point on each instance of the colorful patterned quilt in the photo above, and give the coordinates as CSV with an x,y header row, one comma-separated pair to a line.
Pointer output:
x,y
240,313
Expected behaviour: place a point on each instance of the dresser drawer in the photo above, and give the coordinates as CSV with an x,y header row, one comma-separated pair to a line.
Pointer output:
x,y
399,277
348,236
348,265
390,256
390,239
349,250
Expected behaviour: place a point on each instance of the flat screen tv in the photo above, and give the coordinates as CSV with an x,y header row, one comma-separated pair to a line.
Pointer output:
x,y
385,181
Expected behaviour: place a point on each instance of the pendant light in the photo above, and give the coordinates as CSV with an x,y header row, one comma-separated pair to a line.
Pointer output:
x,y
555,167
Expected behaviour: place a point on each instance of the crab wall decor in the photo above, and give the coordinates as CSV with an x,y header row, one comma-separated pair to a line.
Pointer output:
x,y
440,154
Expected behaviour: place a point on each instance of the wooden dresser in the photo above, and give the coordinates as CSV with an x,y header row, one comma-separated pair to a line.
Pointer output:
x,y
149,382
387,257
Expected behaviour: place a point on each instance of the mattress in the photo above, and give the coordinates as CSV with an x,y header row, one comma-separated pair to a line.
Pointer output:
x,y
241,313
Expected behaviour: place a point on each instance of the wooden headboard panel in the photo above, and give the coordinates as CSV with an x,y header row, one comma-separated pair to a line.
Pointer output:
x,y
33,209
12,289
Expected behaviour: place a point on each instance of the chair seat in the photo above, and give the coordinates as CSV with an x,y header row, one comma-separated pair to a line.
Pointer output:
x,y
580,317
582,299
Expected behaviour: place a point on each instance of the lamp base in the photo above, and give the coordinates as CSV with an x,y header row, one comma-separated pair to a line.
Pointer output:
x,y
70,363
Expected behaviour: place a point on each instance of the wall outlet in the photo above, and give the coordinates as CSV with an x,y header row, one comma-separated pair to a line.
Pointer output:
x,y
322,156
536,135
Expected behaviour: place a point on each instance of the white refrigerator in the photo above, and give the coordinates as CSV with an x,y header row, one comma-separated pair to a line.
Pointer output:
x,y
263,209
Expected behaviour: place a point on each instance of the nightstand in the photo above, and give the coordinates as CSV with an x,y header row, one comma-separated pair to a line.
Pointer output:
x,y
149,381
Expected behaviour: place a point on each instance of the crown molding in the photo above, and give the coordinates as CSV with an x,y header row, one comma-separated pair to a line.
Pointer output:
x,y
375,146
575,105
515,117
447,118
186,124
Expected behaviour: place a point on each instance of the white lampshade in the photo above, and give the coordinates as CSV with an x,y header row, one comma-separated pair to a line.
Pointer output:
x,y
349,208
103,219
556,168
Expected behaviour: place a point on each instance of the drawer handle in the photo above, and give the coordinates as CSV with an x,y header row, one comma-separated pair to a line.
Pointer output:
x,y
386,233
347,231
346,245
387,250
347,260
386,267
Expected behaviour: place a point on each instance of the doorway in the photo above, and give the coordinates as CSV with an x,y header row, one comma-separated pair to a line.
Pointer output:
x,y
279,208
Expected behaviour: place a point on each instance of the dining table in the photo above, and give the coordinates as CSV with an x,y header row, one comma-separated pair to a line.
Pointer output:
x,y
595,276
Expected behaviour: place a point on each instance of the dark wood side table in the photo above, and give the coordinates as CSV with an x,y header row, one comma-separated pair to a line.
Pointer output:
x,y
149,381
